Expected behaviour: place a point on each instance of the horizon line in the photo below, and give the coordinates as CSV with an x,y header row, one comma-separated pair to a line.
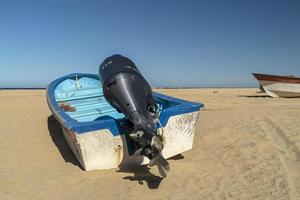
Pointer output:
x,y
157,87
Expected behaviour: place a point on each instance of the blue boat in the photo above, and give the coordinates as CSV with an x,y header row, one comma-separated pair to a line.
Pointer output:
x,y
97,133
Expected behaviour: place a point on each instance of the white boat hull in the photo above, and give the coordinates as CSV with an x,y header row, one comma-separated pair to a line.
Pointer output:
x,y
281,89
101,150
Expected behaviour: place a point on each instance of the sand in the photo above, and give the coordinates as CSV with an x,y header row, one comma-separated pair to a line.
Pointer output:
x,y
247,146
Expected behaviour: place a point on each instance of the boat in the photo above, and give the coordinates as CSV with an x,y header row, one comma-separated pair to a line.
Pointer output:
x,y
98,134
279,86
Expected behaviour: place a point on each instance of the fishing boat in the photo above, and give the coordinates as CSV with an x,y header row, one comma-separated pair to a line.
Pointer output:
x,y
279,86
98,134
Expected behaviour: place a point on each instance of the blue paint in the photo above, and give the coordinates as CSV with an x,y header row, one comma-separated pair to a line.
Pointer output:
x,y
57,91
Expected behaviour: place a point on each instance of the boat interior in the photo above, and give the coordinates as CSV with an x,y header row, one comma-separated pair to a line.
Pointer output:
x,y
82,99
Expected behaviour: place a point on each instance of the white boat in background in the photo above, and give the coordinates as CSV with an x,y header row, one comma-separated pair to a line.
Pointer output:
x,y
279,86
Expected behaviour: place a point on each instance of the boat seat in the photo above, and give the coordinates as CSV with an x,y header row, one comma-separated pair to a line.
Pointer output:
x,y
91,111
78,94
88,107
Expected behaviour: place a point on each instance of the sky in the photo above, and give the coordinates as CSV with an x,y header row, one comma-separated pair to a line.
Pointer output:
x,y
174,43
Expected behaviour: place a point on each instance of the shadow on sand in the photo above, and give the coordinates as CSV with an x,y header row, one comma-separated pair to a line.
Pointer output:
x,y
59,141
142,174
177,157
255,96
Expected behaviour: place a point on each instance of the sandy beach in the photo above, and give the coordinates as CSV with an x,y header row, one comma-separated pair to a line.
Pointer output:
x,y
247,146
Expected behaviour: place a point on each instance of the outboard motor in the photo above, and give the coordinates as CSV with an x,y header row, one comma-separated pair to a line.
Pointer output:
x,y
128,92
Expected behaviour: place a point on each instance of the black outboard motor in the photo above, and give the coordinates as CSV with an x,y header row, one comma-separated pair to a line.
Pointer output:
x,y
127,91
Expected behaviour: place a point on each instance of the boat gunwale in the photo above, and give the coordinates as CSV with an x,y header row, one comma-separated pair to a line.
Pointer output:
x,y
276,78
71,124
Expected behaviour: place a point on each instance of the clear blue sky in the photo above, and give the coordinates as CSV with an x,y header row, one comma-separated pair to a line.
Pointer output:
x,y
183,43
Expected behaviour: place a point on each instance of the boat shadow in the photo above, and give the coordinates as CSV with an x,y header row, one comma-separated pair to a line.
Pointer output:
x,y
58,139
142,175
255,96
176,157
